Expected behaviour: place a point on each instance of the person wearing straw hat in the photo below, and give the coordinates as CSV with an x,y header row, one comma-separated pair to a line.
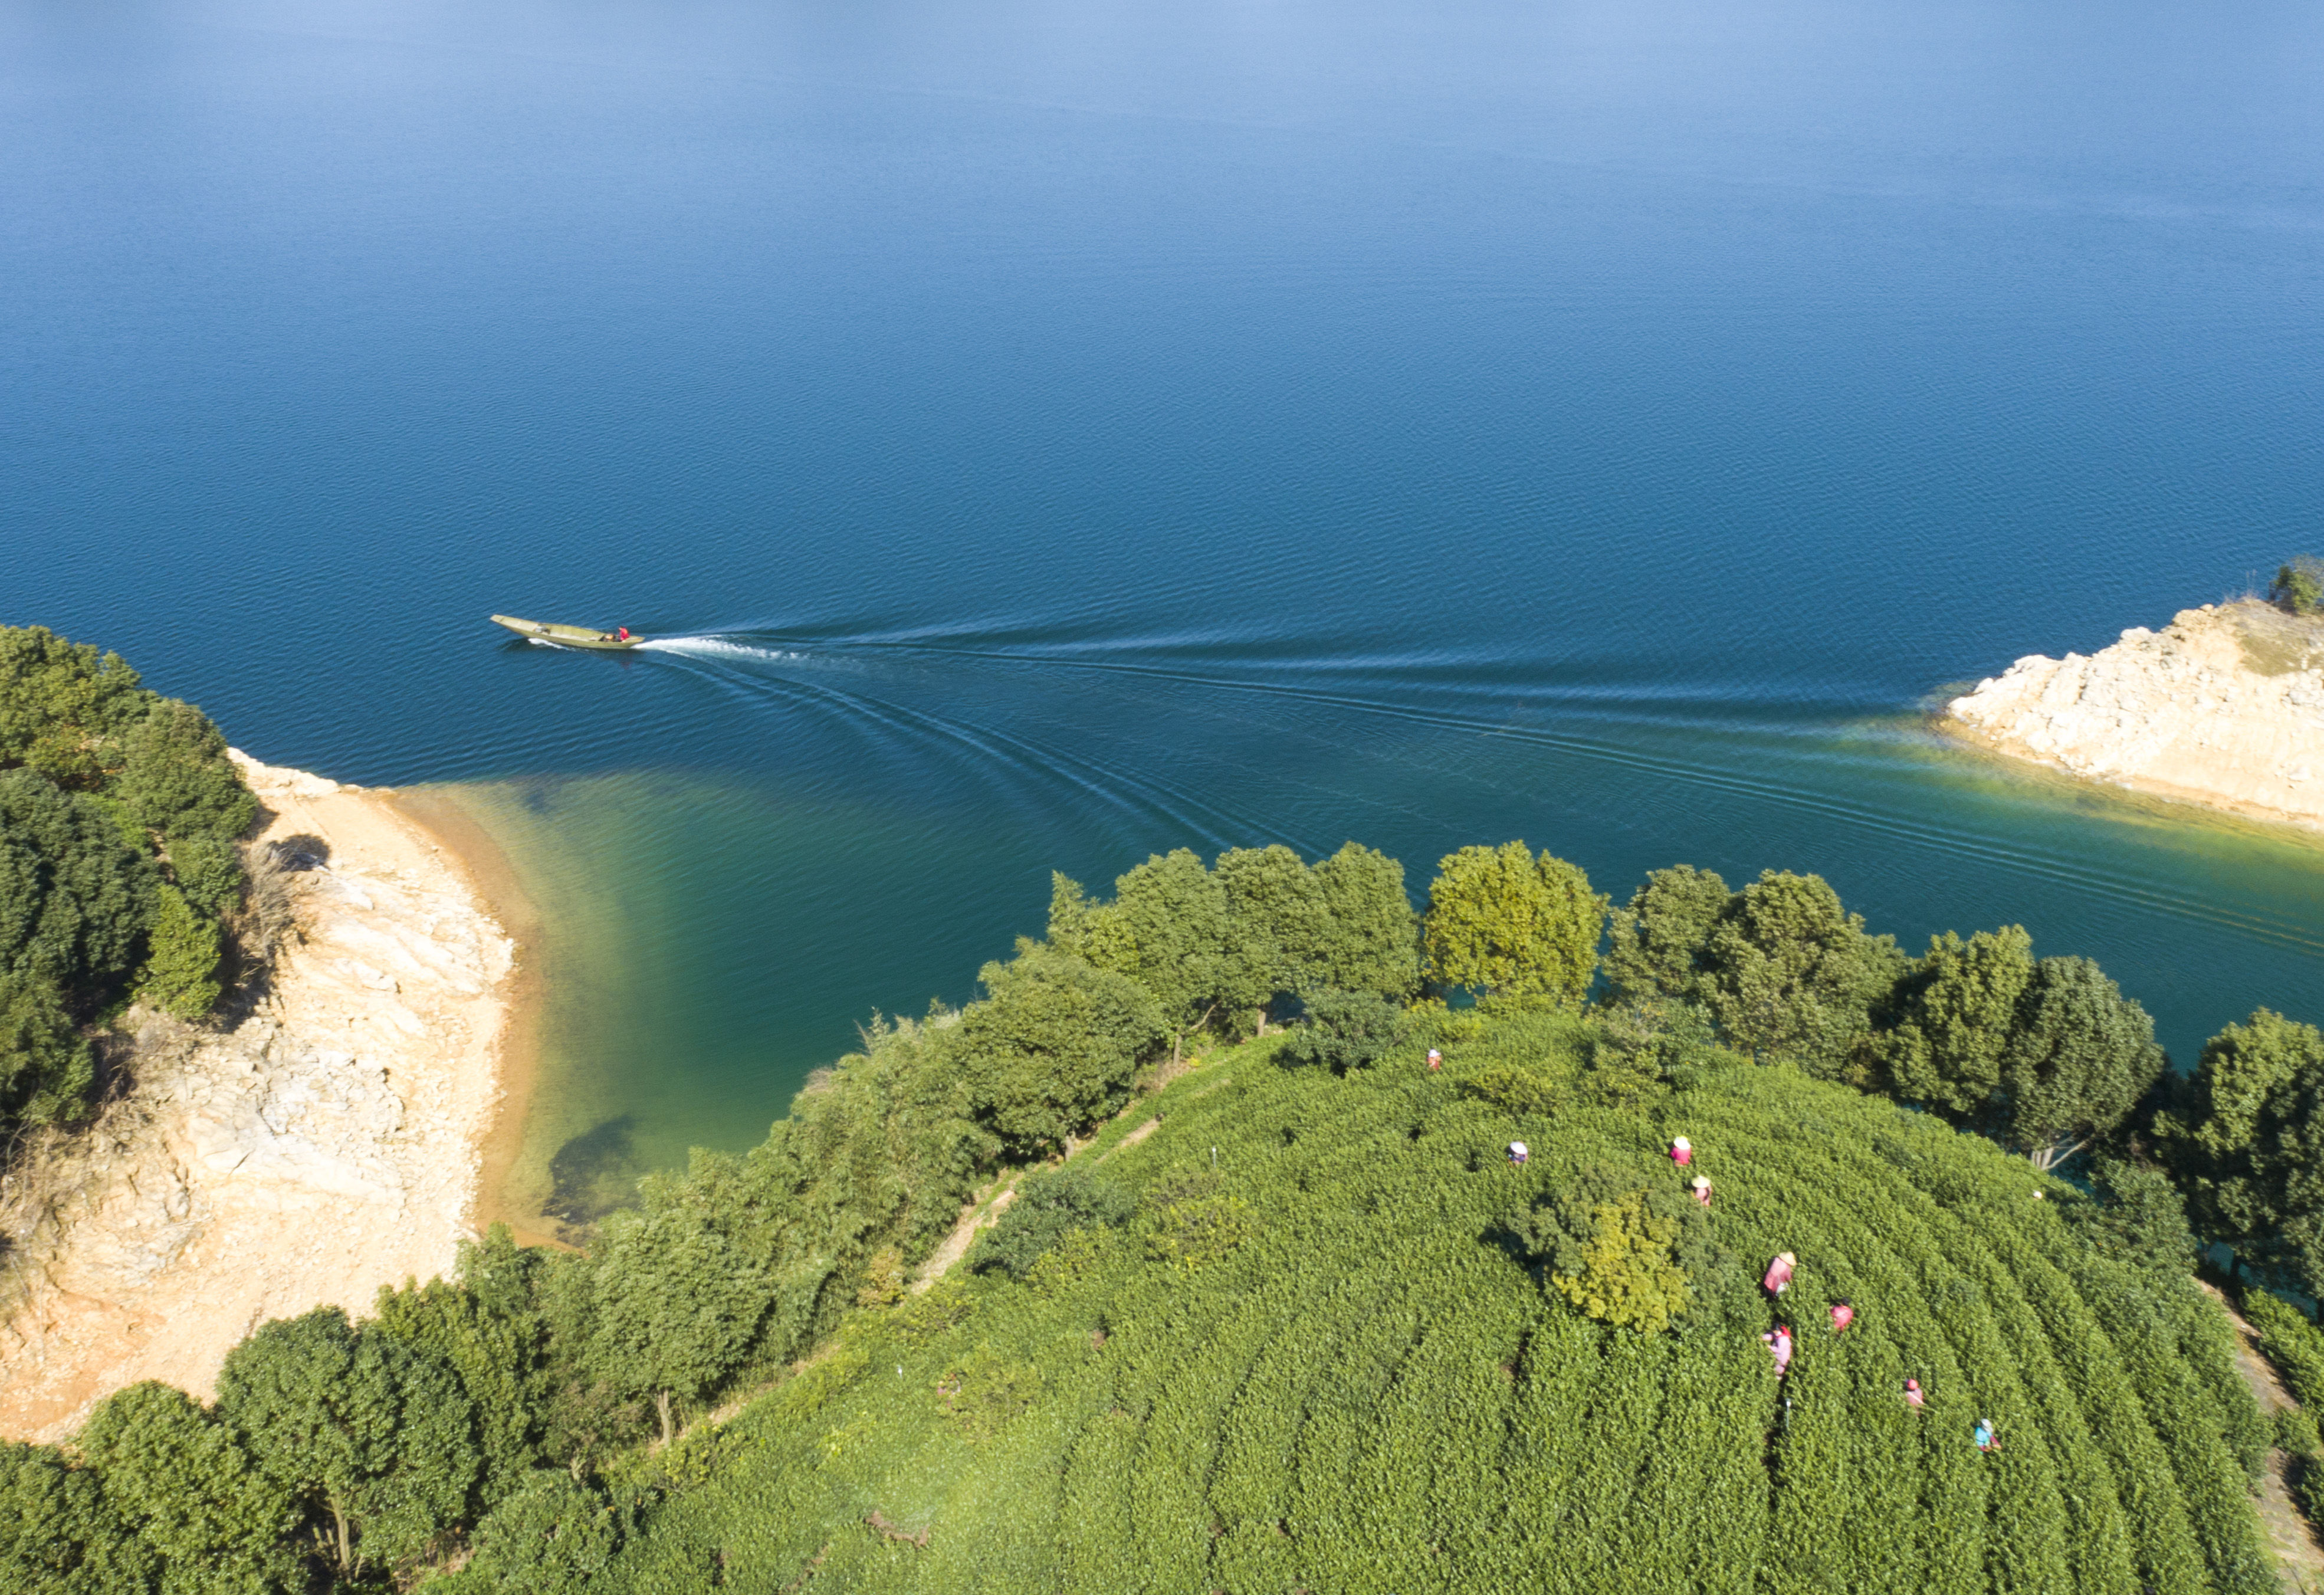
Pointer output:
x,y
1681,1151
1702,1188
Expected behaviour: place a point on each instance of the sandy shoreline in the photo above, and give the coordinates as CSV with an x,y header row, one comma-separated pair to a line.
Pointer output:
x,y
490,875
346,1135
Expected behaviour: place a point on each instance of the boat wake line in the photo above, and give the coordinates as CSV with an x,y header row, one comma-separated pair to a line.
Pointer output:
x,y
715,648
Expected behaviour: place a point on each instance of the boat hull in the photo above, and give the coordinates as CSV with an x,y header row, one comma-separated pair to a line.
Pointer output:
x,y
587,637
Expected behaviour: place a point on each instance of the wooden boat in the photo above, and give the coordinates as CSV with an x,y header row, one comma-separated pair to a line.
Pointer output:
x,y
568,636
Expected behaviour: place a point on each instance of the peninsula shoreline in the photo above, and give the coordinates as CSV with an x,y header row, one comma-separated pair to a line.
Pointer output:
x,y
2223,709
346,1134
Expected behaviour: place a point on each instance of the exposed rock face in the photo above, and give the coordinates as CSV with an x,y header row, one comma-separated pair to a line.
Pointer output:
x,y
326,1147
2223,706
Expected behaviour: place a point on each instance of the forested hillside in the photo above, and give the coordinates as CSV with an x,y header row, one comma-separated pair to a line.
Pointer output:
x,y
119,816
1276,1302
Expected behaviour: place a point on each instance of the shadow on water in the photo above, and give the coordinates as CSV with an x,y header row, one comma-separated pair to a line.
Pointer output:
x,y
593,1173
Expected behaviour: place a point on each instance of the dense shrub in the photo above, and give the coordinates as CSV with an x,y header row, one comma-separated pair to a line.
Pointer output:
x,y
1047,1208
59,1534
181,960
553,1534
1346,1030
2299,586
2136,1214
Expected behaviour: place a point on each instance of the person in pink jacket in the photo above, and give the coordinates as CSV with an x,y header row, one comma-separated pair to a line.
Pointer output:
x,y
1779,1273
1681,1151
1702,1189
1842,1315
1779,1340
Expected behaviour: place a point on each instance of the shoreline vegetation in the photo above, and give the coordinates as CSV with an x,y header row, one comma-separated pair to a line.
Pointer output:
x,y
1255,1230
2223,708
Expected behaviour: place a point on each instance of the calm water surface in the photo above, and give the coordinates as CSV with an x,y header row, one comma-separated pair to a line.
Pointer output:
x,y
1058,432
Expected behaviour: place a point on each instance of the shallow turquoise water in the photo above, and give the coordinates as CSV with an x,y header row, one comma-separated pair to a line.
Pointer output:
x,y
1064,432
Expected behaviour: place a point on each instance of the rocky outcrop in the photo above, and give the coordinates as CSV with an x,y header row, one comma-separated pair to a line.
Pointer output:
x,y
2223,706
325,1147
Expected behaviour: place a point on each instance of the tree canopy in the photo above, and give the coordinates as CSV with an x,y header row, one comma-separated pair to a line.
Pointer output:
x,y
1054,1047
2247,1145
375,1438
1502,922
1788,972
119,816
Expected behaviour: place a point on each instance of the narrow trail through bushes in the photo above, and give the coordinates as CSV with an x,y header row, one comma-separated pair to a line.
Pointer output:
x,y
2298,1559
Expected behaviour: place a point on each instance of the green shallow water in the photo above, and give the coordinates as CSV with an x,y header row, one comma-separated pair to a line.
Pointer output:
x,y
707,942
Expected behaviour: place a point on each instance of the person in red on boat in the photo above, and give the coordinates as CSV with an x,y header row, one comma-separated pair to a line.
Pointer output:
x,y
625,634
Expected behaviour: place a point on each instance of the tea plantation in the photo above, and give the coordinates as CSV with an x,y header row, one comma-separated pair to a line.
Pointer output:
x,y
1303,1350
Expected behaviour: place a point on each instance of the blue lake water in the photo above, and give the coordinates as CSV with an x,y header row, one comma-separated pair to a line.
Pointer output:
x,y
1062,432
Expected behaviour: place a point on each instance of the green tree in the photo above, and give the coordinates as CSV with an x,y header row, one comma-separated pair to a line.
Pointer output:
x,y
221,1523
1374,937
492,1341
176,778
62,704
359,1428
180,973
75,898
2247,1144
1655,949
1347,1030
59,1534
1504,923
2079,1059
1279,928
1054,1046
1790,972
1166,928
2299,586
678,1301
1953,1017
46,1073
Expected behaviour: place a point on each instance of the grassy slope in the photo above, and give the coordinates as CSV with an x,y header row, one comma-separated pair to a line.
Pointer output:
x,y
1370,1395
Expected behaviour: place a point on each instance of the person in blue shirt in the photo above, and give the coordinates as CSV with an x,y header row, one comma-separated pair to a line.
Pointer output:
x,y
1985,1440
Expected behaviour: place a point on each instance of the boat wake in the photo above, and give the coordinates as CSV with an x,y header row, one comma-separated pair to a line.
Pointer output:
x,y
717,648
